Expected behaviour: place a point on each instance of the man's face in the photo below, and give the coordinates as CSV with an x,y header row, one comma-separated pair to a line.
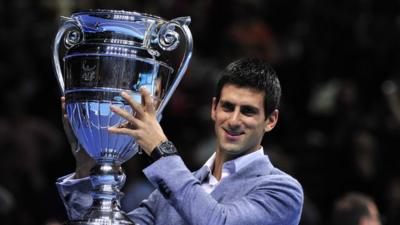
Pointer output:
x,y
240,121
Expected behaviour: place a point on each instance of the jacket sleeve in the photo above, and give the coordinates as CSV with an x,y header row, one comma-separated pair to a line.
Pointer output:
x,y
77,198
146,212
275,203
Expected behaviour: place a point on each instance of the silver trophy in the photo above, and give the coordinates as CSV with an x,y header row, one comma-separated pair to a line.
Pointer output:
x,y
97,54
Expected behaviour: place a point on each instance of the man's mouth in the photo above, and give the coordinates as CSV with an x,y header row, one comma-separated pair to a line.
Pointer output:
x,y
233,133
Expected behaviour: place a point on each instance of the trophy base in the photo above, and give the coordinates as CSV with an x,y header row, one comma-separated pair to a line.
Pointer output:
x,y
102,221
99,217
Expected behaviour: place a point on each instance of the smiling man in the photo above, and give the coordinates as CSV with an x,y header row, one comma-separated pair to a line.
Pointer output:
x,y
238,185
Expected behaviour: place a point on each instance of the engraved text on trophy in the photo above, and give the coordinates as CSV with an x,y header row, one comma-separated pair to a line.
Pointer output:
x,y
88,71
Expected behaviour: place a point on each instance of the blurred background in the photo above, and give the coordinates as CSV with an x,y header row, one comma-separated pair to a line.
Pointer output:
x,y
339,126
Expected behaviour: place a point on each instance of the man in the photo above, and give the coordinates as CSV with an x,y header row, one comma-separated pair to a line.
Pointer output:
x,y
237,185
355,209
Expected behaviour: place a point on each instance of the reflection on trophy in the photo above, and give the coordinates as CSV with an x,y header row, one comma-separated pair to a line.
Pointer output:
x,y
104,52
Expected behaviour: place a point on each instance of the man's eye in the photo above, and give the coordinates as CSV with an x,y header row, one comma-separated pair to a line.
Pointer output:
x,y
227,107
248,111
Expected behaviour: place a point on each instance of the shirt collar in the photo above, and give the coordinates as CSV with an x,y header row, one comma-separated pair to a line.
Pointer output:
x,y
234,165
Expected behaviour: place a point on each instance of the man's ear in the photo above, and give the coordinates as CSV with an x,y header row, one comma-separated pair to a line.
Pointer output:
x,y
271,121
213,108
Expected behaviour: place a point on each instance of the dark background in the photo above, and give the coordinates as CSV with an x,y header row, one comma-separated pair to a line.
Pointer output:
x,y
340,117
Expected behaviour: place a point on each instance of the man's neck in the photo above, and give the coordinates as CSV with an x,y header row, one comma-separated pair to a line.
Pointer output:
x,y
219,161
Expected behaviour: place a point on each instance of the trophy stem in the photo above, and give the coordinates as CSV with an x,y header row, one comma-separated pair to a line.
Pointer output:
x,y
107,178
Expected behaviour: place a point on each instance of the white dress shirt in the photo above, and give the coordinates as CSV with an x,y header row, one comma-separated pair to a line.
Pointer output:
x,y
228,168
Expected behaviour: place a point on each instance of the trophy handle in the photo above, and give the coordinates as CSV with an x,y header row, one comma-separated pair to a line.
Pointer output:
x,y
70,31
168,43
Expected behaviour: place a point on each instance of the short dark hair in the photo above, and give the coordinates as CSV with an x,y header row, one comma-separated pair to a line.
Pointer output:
x,y
349,209
256,74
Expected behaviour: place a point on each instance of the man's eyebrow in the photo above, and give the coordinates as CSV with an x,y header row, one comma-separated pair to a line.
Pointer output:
x,y
247,107
223,101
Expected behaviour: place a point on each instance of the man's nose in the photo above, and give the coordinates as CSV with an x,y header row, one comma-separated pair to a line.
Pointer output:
x,y
234,119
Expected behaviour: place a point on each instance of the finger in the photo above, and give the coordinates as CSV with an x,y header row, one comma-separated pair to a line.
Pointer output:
x,y
124,124
126,115
63,103
134,105
63,111
147,99
127,125
125,131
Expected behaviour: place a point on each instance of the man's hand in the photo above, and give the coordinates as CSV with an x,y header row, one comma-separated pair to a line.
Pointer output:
x,y
83,161
144,126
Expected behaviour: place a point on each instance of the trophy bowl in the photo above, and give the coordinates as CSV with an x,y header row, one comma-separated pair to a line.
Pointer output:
x,y
97,54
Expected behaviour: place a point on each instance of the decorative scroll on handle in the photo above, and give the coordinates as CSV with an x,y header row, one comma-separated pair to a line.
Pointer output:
x,y
72,34
168,32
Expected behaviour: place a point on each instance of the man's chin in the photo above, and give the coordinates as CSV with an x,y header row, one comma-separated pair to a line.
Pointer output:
x,y
233,150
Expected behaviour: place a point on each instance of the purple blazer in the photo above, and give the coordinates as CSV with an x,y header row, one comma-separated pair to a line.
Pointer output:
x,y
258,194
